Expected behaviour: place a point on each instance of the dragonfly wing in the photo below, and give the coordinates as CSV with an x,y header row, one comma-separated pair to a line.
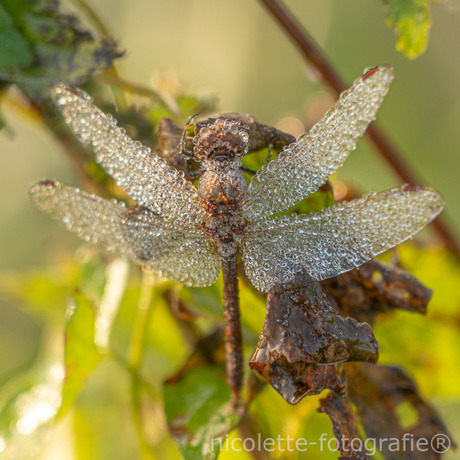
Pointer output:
x,y
305,165
183,255
143,175
337,239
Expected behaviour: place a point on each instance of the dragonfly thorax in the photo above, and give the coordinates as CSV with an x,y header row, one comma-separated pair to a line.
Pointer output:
x,y
219,147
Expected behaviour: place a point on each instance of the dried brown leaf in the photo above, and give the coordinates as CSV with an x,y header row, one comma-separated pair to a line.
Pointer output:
x,y
378,392
377,288
301,331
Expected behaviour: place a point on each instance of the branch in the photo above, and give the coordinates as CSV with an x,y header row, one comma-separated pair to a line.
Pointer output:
x,y
313,55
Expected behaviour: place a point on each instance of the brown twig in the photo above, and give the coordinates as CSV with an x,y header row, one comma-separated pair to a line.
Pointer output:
x,y
312,54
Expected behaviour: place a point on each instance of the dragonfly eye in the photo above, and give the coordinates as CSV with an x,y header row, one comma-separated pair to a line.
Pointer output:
x,y
223,139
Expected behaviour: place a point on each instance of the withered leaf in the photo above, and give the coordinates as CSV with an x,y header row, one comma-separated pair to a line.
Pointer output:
x,y
377,392
376,288
169,136
301,329
344,425
295,381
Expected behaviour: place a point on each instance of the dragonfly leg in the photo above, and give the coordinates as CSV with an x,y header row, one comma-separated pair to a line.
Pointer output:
x,y
192,173
182,148
248,170
270,145
233,349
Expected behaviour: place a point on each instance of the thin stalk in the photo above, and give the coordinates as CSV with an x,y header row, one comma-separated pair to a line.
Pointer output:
x,y
313,55
136,354
233,348
143,317
142,90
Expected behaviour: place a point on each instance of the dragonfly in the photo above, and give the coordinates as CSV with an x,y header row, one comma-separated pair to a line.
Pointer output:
x,y
190,233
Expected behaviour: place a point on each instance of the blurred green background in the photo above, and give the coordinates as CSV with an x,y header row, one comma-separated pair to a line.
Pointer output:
x,y
234,51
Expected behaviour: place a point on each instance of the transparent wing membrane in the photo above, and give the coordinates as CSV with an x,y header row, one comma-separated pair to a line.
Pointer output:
x,y
337,239
142,174
167,232
306,164
137,234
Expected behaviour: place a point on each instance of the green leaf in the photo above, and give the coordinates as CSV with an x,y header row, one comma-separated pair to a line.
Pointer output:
x,y
411,21
39,46
14,52
199,412
81,353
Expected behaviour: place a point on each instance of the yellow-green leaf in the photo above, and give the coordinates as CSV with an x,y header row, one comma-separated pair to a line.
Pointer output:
x,y
81,353
411,21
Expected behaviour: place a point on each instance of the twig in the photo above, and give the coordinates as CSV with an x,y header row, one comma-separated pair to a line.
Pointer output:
x,y
115,80
312,54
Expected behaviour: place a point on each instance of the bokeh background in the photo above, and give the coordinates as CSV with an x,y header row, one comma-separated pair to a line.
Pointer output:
x,y
233,51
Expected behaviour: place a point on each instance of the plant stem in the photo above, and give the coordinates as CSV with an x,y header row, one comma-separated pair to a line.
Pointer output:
x,y
313,54
142,90
143,317
136,355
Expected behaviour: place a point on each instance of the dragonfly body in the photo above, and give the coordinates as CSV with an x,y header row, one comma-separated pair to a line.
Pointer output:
x,y
222,186
188,234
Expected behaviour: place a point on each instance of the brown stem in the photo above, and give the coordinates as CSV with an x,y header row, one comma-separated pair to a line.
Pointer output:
x,y
313,54
233,349
305,43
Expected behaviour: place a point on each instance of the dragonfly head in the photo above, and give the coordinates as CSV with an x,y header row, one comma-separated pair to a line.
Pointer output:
x,y
222,140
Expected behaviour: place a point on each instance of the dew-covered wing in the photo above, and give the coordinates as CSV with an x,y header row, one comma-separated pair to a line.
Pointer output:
x,y
337,239
138,234
305,165
143,175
